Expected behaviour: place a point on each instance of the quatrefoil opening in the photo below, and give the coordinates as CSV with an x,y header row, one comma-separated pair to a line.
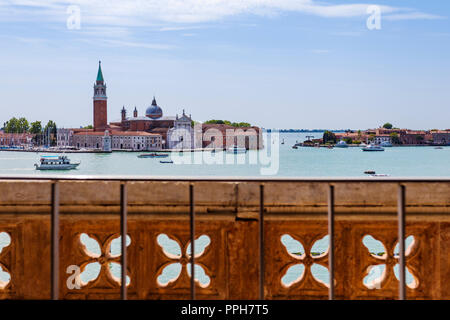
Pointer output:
x,y
107,255
180,258
306,261
5,276
377,274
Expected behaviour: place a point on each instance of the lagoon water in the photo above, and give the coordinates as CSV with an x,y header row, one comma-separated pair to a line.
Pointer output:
x,y
286,162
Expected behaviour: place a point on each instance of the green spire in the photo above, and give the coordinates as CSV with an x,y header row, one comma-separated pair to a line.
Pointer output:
x,y
99,73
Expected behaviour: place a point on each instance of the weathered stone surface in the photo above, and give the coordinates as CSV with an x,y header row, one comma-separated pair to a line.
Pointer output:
x,y
227,212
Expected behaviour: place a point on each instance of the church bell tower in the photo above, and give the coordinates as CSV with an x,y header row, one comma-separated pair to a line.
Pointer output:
x,y
100,102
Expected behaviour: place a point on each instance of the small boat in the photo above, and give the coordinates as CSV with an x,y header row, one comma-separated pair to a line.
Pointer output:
x,y
372,147
153,155
55,163
169,161
282,142
341,144
294,147
439,148
236,149
369,172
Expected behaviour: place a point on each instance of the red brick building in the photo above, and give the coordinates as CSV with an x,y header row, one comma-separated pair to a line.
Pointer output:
x,y
441,137
225,136
15,139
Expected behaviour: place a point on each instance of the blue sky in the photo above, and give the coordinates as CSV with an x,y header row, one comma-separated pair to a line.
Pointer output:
x,y
273,63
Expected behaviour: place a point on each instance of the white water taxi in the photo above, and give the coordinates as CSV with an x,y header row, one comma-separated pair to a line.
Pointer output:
x,y
372,147
55,163
236,149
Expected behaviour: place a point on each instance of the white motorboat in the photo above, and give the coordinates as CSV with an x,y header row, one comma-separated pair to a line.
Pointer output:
x,y
341,144
55,163
153,155
236,149
372,147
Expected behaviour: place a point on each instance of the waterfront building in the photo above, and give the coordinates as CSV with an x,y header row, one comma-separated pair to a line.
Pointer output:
x,y
181,135
137,140
441,137
415,137
153,122
355,136
380,138
16,139
117,140
64,137
152,131
226,136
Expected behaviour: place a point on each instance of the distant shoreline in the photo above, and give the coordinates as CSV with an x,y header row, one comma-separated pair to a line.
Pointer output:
x,y
112,151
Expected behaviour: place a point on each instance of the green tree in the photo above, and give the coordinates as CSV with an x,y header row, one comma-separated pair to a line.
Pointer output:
x,y
214,122
241,124
24,126
419,138
50,131
15,125
329,137
395,138
12,125
234,124
387,125
348,140
89,126
36,127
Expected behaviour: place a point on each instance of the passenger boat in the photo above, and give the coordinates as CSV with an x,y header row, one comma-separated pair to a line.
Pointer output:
x,y
236,149
372,147
55,163
153,155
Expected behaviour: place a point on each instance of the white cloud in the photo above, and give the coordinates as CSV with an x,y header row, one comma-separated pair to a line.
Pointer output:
x,y
320,51
413,16
118,43
179,28
151,12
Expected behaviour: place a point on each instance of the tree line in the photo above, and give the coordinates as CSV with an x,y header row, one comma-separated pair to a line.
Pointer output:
x,y
233,124
43,135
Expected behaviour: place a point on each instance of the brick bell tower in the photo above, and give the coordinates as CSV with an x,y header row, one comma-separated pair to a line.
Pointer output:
x,y
100,102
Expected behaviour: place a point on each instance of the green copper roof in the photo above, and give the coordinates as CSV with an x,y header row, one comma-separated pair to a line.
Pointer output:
x,y
99,73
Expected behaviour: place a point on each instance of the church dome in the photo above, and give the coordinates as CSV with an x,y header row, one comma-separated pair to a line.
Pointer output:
x,y
154,111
